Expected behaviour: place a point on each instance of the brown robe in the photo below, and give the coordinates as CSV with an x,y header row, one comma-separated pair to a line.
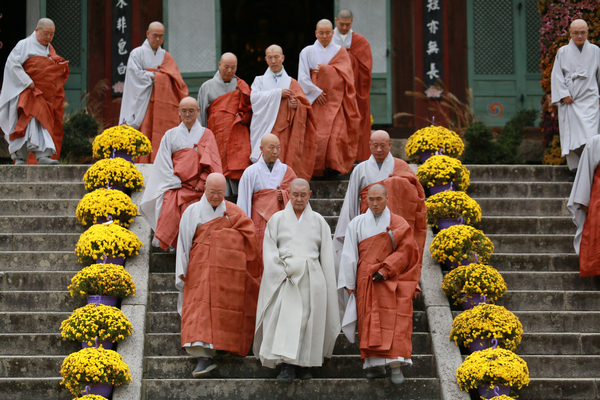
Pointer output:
x,y
45,101
337,120
589,250
163,109
385,308
192,167
362,65
222,283
228,117
296,131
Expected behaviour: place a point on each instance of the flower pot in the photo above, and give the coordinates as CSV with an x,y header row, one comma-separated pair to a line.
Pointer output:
x,y
125,156
454,264
106,300
488,392
102,220
100,389
111,260
435,189
118,187
474,301
106,344
444,223
479,344
425,155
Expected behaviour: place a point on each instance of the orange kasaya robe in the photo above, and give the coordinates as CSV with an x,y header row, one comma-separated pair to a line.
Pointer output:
x,y
589,249
222,283
45,101
163,109
192,166
385,308
265,203
296,131
228,117
337,120
362,65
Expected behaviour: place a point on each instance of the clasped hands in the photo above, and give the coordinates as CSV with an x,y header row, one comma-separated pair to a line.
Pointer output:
x,y
288,94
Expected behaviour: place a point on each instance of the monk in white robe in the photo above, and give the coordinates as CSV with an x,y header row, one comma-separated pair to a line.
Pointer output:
x,y
264,187
297,318
153,89
575,82
380,271
187,154
31,101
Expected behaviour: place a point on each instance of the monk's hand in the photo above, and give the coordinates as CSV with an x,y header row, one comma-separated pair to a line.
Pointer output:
x,y
316,70
567,100
31,86
200,186
285,93
294,102
279,194
378,276
321,100
349,291
152,77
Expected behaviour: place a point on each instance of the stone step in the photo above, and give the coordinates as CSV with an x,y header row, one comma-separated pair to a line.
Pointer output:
x,y
38,241
55,208
236,367
550,300
534,261
327,207
163,262
527,225
532,243
30,366
169,344
34,388
40,224
170,322
555,366
42,173
559,344
32,322
45,344
42,190
542,280
557,321
519,189
501,207
39,261
328,189
518,173
34,281
560,389
335,389
29,301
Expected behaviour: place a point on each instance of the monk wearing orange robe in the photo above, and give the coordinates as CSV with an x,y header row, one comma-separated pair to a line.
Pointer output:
x,y
226,110
362,64
380,270
326,76
279,106
264,187
218,277
187,154
31,100
153,89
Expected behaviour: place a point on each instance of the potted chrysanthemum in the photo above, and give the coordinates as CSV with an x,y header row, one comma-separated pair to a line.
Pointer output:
x,y
113,173
440,173
461,244
121,141
452,208
434,140
107,243
469,285
103,205
102,284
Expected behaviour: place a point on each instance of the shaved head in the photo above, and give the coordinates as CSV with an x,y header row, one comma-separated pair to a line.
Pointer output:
x,y
268,139
155,34
380,135
274,58
299,183
274,49
216,181
229,58
155,26
579,23
377,199
579,32
380,145
324,23
44,33
43,22
227,66
188,102
377,187
299,195
345,14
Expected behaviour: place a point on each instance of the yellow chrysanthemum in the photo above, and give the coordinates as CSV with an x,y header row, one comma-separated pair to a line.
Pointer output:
x,y
441,170
102,279
104,202
493,367
113,171
461,242
452,204
112,240
433,138
122,138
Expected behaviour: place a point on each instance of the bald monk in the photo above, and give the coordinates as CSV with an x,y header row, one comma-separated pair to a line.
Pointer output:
x,y
325,74
31,101
380,268
279,106
187,154
226,110
362,64
263,189
217,276
406,195
153,89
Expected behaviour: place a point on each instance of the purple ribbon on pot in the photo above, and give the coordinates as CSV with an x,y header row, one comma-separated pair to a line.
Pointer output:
x,y
475,257
495,391
104,258
494,345
484,298
109,220
441,151
461,220
87,390
96,342
114,152
123,123
433,120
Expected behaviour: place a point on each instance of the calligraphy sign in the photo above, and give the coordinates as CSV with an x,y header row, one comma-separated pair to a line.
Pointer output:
x,y
121,43
433,59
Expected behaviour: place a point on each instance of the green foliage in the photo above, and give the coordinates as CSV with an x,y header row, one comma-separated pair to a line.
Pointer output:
x,y
512,134
77,132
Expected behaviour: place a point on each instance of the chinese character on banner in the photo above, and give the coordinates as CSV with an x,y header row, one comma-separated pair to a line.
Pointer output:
x,y
121,44
433,49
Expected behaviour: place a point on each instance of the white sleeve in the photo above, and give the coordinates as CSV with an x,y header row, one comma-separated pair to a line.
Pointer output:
x,y
558,85
311,90
349,259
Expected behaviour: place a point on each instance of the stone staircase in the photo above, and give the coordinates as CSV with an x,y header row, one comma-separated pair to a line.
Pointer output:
x,y
525,215
38,233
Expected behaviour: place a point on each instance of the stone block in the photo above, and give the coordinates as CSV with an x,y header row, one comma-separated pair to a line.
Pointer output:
x,y
521,208
549,344
34,388
519,173
30,366
534,262
32,322
532,243
39,261
48,344
39,301
560,389
542,280
526,225
526,300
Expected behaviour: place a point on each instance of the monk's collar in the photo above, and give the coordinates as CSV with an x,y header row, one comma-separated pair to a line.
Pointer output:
x,y
377,217
270,165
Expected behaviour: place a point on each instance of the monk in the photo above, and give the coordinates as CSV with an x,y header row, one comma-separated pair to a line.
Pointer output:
x,y
380,269
362,65
226,110
298,318
264,186
187,154
326,76
31,101
279,106
153,89
218,277
584,204
406,195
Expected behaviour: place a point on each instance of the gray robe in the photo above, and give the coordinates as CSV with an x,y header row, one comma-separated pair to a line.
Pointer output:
x,y
209,91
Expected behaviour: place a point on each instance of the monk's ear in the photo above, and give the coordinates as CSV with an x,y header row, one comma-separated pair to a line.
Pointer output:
x,y
282,58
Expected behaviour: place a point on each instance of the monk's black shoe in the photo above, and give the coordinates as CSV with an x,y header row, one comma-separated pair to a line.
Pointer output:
x,y
376,372
287,374
205,365
304,373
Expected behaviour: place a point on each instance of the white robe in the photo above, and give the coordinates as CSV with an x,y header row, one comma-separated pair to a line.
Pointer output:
x,y
582,186
258,177
266,99
195,215
138,83
297,319
14,82
310,56
162,177
209,91
340,41
576,74
360,228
